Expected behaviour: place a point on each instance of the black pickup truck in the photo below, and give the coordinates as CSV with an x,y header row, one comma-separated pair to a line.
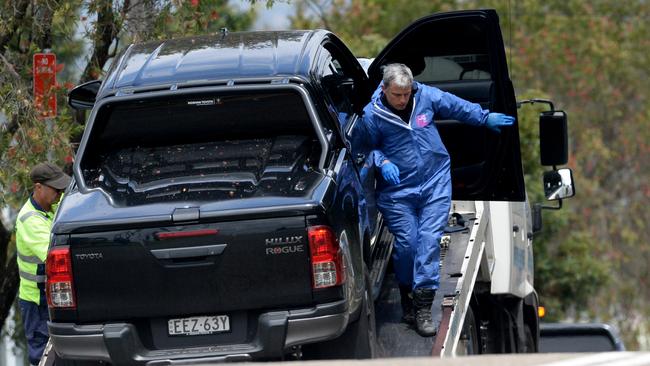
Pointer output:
x,y
222,208
216,211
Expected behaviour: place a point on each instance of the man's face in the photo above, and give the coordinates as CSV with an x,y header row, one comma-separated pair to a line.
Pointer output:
x,y
46,195
396,96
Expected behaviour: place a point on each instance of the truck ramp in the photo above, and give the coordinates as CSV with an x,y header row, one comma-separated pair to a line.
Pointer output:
x,y
460,254
397,339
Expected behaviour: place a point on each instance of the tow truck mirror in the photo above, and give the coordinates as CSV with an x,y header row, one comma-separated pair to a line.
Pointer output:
x,y
83,96
553,138
537,218
558,184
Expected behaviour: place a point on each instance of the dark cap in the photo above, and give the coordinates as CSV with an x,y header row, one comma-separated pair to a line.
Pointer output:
x,y
50,175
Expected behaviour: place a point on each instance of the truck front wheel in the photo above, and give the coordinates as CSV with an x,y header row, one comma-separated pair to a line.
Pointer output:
x,y
469,336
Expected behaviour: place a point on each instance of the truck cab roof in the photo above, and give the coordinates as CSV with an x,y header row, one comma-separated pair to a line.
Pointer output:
x,y
213,59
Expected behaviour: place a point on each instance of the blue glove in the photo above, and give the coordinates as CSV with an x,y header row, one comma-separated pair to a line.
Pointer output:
x,y
390,172
497,120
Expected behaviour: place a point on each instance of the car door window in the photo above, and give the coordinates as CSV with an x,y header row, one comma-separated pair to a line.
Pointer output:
x,y
338,84
454,67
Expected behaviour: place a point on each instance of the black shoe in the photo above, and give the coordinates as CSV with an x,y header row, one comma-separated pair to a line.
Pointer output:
x,y
422,300
408,310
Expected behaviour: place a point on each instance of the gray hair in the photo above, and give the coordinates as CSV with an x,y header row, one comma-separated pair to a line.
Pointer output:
x,y
397,74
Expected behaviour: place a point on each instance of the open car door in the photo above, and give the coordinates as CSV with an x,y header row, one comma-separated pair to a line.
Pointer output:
x,y
463,53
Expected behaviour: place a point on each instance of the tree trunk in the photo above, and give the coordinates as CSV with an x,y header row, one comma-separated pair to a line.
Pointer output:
x,y
42,25
8,288
105,33
139,19
8,276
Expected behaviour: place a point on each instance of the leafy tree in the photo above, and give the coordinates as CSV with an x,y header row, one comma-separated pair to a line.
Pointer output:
x,y
28,27
591,58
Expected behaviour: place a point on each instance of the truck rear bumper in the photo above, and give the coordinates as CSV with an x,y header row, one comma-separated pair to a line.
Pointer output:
x,y
277,332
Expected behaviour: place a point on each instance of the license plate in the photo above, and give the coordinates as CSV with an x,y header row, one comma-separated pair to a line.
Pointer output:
x,y
198,325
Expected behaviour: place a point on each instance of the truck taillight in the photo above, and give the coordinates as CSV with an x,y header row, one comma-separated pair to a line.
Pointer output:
x,y
326,257
59,287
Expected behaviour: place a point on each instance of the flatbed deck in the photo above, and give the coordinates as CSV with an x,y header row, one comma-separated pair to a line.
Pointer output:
x,y
458,255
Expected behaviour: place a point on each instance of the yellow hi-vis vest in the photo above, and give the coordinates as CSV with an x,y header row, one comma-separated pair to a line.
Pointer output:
x,y
33,227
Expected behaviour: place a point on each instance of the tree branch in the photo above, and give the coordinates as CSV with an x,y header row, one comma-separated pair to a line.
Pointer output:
x,y
42,25
16,20
319,10
11,127
105,32
10,67
117,43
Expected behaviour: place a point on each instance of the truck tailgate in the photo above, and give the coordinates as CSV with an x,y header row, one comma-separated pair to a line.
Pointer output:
x,y
192,269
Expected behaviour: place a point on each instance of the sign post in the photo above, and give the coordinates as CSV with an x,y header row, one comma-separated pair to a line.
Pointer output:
x,y
44,71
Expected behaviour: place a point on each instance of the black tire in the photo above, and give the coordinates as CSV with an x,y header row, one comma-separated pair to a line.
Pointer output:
x,y
469,337
359,341
530,346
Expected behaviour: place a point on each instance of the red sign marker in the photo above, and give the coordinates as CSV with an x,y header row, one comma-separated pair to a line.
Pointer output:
x,y
44,71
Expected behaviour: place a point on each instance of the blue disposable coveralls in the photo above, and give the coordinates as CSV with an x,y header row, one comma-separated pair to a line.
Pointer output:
x,y
417,208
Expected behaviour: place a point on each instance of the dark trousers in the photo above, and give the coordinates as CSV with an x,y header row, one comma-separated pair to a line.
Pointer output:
x,y
35,319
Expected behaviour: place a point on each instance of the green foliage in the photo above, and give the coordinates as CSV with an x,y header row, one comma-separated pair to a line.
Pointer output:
x,y
26,139
591,58
365,26
199,17
574,276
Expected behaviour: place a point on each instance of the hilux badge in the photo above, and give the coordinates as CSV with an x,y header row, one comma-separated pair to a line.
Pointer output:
x,y
284,240
284,245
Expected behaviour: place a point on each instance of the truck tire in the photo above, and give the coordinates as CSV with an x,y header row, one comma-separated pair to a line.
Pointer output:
x,y
530,341
469,337
359,340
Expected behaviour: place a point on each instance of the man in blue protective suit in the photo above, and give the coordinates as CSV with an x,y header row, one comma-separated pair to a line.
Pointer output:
x,y
414,193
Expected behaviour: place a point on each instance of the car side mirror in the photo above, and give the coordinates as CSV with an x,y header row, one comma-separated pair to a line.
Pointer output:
x,y
83,96
553,138
558,184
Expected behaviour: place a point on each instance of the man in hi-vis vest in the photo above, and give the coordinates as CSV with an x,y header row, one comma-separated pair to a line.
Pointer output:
x,y
33,225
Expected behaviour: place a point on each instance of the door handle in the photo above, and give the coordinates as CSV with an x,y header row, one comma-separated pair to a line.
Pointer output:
x,y
190,252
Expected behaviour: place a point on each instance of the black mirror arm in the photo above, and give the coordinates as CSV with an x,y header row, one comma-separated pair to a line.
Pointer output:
x,y
537,214
558,207
535,100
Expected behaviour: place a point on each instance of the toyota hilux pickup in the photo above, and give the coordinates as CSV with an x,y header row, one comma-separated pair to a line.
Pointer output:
x,y
217,213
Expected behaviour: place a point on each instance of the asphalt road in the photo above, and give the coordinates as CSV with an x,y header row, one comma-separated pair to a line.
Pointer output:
x,y
541,359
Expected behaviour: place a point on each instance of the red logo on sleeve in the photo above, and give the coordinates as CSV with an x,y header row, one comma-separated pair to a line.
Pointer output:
x,y
421,120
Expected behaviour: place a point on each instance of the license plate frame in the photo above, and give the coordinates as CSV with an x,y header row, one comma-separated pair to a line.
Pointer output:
x,y
198,325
